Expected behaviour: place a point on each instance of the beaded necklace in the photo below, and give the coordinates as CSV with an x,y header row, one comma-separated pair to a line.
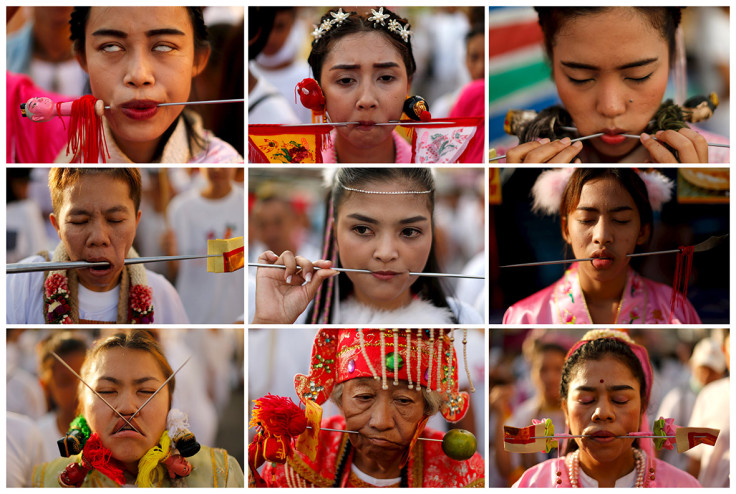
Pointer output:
x,y
573,470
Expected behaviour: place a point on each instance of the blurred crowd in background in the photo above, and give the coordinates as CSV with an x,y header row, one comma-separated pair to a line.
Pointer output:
x,y
41,394
525,369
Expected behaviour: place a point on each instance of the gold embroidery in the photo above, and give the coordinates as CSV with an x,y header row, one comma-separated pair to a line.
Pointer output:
x,y
477,483
214,468
416,478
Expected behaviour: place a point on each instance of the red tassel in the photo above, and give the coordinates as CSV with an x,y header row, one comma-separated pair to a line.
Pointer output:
x,y
682,276
86,136
100,458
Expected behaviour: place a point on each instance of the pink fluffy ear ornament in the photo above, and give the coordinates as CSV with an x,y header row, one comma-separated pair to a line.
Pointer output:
x,y
86,135
550,186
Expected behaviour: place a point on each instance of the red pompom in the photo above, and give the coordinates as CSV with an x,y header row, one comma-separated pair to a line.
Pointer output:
x,y
73,475
310,95
279,416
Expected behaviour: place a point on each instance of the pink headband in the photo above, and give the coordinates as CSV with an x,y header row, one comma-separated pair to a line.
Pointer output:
x,y
641,354
550,185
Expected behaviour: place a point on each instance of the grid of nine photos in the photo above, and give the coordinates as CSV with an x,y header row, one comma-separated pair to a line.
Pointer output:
x,y
402,381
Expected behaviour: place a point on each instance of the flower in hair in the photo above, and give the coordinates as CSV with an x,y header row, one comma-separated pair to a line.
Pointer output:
x,y
395,27
339,17
378,17
318,32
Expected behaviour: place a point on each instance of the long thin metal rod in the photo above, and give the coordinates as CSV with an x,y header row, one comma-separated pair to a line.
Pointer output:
x,y
571,436
496,158
348,270
393,123
205,102
356,432
703,246
127,421
567,261
160,387
638,136
32,267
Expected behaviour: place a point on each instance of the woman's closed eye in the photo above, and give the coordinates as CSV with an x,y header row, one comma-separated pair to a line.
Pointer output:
x,y
639,79
579,81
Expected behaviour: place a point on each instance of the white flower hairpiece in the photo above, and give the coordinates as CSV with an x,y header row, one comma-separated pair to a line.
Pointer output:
x,y
550,185
378,17
403,31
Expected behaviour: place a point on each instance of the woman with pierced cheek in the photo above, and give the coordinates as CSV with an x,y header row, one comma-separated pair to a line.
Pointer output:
x,y
381,220
138,58
605,215
135,444
386,384
605,389
96,214
610,66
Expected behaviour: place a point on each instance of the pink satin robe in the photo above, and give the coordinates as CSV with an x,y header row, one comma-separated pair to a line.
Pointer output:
x,y
643,302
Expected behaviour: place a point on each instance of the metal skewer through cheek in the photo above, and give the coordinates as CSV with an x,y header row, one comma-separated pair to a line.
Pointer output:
x,y
495,158
368,271
127,421
159,389
356,432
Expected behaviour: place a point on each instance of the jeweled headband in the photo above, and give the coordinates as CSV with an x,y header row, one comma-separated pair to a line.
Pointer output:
x,y
380,20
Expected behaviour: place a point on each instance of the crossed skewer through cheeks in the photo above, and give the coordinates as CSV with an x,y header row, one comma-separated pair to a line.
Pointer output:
x,y
126,422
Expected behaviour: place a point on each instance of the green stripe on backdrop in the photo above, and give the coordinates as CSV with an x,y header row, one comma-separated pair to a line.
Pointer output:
x,y
507,82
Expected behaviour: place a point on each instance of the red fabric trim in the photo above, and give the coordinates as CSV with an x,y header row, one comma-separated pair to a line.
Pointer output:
x,y
512,37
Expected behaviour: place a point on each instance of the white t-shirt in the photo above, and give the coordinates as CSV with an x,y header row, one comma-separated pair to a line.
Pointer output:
x,y
712,410
267,106
208,297
24,449
49,434
25,231
25,300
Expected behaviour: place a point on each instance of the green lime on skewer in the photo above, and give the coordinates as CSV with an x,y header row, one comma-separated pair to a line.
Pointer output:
x,y
459,444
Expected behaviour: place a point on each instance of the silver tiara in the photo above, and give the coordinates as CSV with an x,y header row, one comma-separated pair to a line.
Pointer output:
x,y
398,192
378,18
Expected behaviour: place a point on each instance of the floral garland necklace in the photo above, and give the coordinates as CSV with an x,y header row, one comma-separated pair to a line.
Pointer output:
x,y
60,294
573,470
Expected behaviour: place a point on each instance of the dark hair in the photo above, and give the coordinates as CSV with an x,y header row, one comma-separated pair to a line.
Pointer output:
x,y
63,343
416,179
626,177
663,19
358,23
136,339
597,350
541,348
62,178
78,25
